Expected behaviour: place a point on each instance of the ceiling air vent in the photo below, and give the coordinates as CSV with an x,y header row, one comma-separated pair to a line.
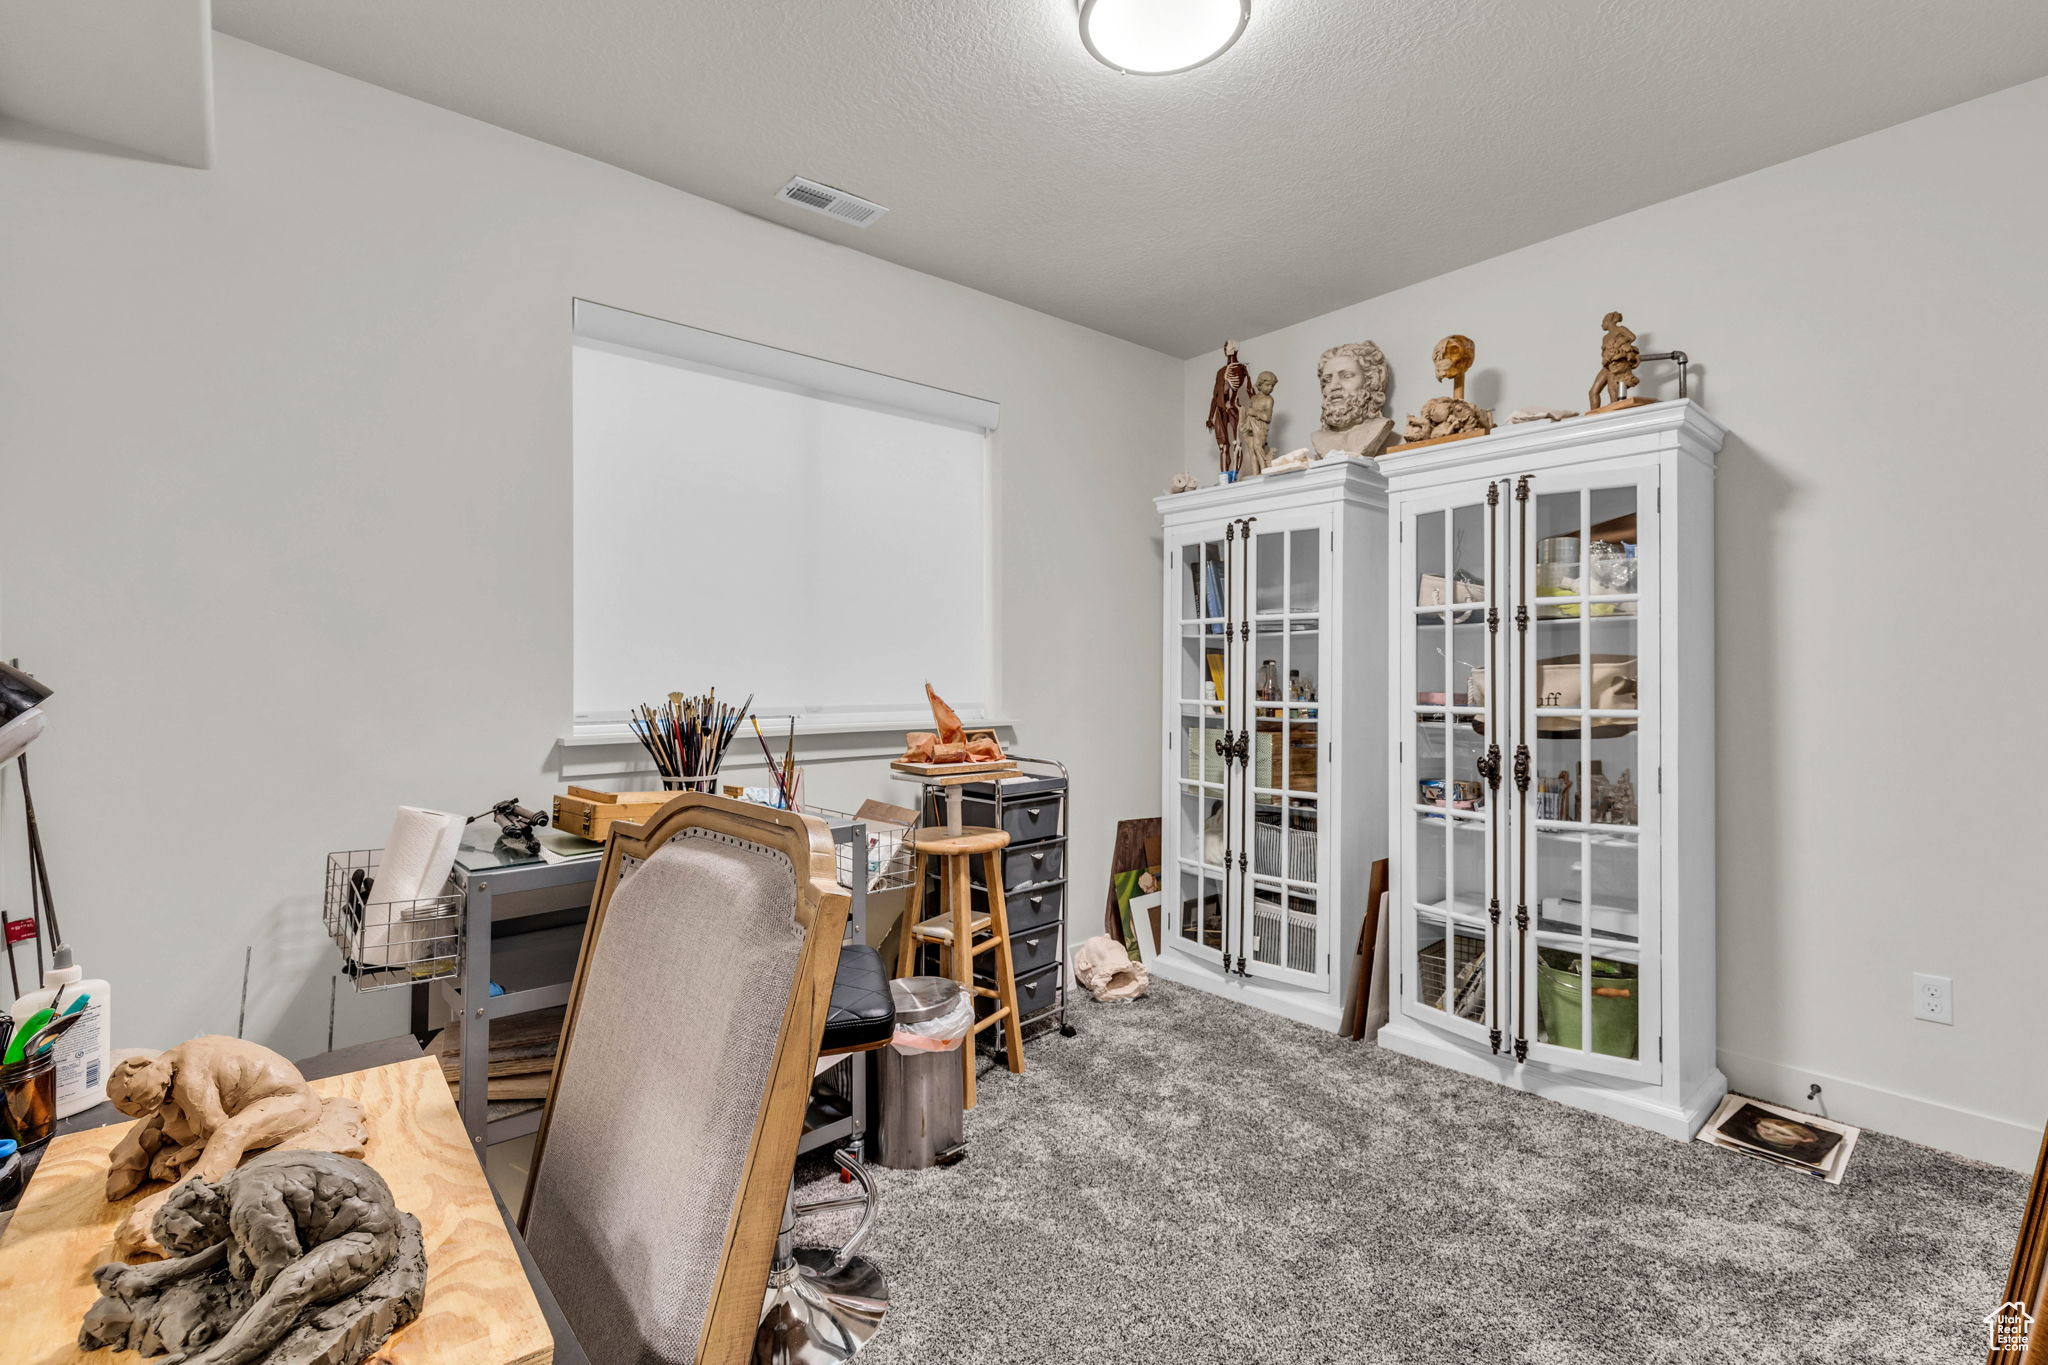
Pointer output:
x,y
847,208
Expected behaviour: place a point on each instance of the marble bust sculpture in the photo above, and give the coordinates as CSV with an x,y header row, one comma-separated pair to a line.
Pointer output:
x,y
1353,377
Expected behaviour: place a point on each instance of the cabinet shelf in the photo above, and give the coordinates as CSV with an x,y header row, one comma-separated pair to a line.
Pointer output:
x,y
1470,914
1572,829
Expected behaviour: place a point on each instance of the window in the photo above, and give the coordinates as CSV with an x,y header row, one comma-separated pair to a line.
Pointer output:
x,y
764,522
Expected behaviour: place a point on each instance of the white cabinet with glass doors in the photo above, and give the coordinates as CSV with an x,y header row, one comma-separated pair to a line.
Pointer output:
x,y
1552,807
1275,750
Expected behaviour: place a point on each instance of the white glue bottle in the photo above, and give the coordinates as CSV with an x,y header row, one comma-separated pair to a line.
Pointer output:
x,y
85,1052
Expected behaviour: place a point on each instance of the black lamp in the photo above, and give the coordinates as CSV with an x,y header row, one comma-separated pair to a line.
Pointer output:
x,y
21,720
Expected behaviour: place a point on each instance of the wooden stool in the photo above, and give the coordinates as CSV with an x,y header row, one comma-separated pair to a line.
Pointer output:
x,y
956,923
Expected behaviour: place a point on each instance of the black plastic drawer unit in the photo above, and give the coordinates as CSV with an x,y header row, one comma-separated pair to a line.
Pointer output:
x,y
1030,952
1029,865
1036,992
1028,909
1025,819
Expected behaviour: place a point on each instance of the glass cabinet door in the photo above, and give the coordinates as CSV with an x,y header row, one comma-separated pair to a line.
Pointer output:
x,y
1284,927
1586,863
1206,668
1451,887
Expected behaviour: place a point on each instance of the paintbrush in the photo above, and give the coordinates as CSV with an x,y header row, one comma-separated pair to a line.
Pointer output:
x,y
789,766
769,758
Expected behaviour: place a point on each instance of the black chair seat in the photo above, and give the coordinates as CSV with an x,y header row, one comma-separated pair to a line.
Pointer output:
x,y
862,1012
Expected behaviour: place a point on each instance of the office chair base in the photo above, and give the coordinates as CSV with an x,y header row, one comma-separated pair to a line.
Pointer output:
x,y
816,1315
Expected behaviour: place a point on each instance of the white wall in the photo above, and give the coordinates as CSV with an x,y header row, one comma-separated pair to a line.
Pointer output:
x,y
284,479
1872,323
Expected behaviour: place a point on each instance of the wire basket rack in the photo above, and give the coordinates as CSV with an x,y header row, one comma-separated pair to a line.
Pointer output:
x,y
888,851
388,943
1430,986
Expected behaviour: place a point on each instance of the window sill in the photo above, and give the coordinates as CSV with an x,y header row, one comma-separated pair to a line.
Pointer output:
x,y
617,736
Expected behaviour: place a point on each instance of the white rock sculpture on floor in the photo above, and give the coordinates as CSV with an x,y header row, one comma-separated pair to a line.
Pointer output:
x,y
1105,969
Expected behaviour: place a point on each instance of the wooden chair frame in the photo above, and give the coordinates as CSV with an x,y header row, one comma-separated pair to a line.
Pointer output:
x,y
2028,1281
727,1337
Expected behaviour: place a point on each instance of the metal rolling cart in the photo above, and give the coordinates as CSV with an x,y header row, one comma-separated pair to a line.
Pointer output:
x,y
1031,808
530,915
868,862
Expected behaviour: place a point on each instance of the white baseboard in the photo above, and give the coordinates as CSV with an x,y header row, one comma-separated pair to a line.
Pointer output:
x,y
1642,1106
1982,1137
1314,1008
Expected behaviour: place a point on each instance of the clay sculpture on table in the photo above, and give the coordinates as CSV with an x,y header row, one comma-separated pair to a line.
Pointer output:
x,y
205,1105
950,744
297,1258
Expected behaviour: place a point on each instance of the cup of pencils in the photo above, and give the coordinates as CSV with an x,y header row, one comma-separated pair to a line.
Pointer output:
x,y
687,737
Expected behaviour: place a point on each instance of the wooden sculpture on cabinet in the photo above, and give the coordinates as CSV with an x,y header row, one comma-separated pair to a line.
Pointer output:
x,y
1450,419
206,1104
1353,379
297,1258
1619,357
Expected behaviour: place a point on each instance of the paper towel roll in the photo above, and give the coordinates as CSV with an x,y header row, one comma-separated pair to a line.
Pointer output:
x,y
417,858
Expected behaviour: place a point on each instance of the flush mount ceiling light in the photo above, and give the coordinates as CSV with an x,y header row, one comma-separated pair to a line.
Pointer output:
x,y
1160,37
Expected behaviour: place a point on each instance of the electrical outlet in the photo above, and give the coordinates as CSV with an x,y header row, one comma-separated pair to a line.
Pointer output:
x,y
1931,999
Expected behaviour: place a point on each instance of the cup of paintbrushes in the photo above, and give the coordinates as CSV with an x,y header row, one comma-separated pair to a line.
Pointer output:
x,y
28,1099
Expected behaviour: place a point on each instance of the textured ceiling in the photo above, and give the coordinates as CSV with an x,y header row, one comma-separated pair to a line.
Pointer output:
x,y
1342,149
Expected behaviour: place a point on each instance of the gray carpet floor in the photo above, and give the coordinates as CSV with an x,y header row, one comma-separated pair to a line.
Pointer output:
x,y
1193,1181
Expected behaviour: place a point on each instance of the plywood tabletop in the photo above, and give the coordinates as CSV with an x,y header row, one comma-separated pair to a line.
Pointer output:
x,y
480,1310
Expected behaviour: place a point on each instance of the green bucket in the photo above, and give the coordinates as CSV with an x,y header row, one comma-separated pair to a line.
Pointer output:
x,y
1558,996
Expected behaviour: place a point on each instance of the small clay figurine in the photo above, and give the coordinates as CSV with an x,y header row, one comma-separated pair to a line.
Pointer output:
x,y
1353,379
1618,360
298,1258
1183,483
204,1105
1292,460
1539,415
1442,418
1258,421
1226,408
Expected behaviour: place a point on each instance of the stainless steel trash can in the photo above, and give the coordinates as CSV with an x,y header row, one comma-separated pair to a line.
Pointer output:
x,y
920,1099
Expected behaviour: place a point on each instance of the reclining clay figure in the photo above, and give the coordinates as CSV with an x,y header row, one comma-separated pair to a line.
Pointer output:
x,y
296,1258
204,1106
